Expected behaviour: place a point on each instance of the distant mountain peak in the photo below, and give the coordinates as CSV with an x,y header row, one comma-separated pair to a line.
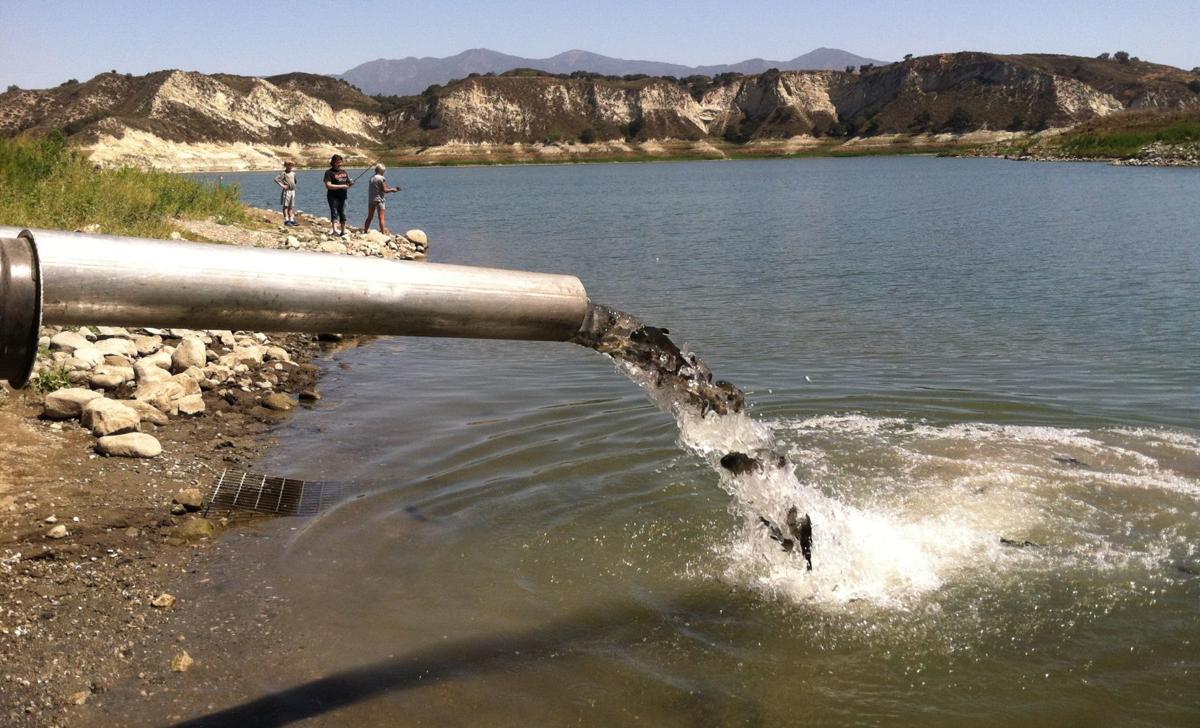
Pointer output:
x,y
410,75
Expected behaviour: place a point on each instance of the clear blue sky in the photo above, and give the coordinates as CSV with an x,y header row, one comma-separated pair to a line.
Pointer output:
x,y
45,42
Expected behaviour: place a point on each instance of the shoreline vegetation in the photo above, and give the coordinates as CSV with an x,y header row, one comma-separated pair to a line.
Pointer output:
x,y
108,451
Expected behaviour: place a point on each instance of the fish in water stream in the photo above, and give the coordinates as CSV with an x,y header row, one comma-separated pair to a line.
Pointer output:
x,y
690,381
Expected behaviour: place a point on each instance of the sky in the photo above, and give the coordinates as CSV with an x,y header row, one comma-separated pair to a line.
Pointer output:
x,y
46,42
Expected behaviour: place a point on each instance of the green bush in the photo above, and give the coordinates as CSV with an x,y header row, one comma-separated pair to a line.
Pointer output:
x,y
44,183
587,136
49,380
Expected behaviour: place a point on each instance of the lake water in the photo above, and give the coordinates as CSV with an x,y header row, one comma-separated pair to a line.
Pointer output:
x,y
952,350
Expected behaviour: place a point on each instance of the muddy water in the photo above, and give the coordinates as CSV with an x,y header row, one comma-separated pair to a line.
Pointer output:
x,y
947,352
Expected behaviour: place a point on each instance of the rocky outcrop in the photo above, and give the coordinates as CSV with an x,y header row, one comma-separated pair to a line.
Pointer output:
x,y
189,121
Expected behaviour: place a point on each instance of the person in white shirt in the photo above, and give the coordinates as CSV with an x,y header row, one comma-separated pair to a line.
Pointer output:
x,y
375,199
287,195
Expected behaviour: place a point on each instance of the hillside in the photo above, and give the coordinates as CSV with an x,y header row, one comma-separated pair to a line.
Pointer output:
x,y
406,76
189,121
954,93
171,118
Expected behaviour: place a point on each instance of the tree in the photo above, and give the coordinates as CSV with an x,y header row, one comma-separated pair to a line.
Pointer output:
x,y
849,69
1104,56
587,136
1194,85
921,121
1121,56
13,87
960,120
865,67
908,56
1017,123
1196,70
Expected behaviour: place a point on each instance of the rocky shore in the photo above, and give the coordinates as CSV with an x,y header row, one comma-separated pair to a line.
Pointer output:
x,y
108,455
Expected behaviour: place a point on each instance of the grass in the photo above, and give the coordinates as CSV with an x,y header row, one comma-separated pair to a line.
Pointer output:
x,y
43,183
49,380
1123,136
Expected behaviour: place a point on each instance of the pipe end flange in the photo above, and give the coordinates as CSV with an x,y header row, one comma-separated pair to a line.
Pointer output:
x,y
20,308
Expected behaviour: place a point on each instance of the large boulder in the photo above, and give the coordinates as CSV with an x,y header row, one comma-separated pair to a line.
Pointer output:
x,y
189,353
417,236
110,417
131,445
66,404
67,341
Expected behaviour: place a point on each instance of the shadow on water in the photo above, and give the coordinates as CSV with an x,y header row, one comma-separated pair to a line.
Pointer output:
x,y
489,654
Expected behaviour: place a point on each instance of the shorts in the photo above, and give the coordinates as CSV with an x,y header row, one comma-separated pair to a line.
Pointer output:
x,y
337,208
378,204
287,198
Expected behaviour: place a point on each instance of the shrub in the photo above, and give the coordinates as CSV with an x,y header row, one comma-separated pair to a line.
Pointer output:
x,y
1194,86
960,120
587,136
12,88
1104,56
921,121
1121,56
44,183
49,380
908,56
633,128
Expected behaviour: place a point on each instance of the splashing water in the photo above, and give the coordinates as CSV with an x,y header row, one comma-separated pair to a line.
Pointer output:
x,y
900,509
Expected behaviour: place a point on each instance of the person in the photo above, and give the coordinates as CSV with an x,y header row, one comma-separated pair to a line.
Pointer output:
x,y
337,182
287,192
375,199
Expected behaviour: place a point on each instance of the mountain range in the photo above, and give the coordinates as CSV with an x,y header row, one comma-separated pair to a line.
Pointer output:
x,y
406,76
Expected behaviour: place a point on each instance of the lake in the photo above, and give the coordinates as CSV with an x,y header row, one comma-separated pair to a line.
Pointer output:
x,y
953,351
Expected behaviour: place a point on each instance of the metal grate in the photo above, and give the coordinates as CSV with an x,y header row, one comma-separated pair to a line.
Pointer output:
x,y
239,490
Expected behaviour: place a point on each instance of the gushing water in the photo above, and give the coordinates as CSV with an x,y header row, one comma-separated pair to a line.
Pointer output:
x,y
839,509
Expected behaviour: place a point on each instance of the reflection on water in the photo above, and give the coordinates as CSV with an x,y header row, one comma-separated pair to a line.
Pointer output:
x,y
951,351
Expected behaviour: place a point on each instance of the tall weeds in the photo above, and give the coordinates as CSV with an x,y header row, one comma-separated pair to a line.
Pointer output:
x,y
44,183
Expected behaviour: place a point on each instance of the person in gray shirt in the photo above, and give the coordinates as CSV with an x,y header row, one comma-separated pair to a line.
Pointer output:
x,y
376,192
287,195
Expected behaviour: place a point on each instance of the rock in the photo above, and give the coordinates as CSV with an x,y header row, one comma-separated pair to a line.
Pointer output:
x,y
163,601
80,697
246,355
80,376
417,236
110,377
276,353
195,529
310,395
59,531
109,417
87,356
117,360
177,509
146,411
293,242
190,384
193,404
132,445
278,401
190,498
133,532
330,246
51,519
189,353
374,236
182,662
108,332
225,337
163,395
66,404
121,347
67,341
147,345
146,373
175,235
160,358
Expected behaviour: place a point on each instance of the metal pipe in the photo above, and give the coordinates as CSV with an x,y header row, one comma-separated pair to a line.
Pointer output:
x,y
76,278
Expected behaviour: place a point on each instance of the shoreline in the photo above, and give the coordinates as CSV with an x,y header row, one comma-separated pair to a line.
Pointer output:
x,y
91,546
